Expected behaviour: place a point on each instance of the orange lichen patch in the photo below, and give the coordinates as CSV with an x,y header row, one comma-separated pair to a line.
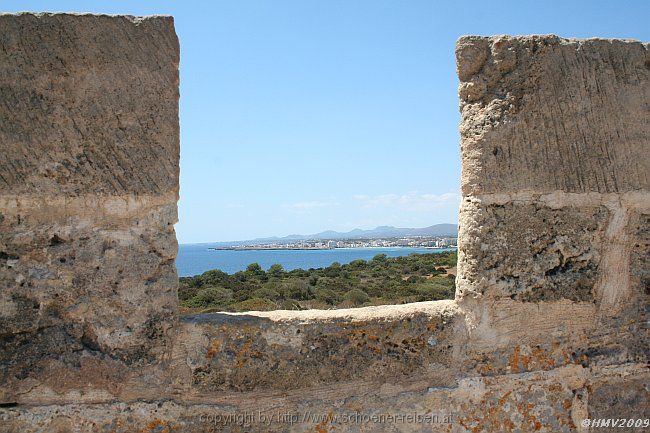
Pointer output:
x,y
321,427
242,354
542,358
502,400
514,359
530,419
583,359
485,369
213,349
361,338
241,345
158,426
512,411
534,358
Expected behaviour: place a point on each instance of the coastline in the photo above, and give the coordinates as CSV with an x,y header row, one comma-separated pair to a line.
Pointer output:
x,y
194,259
319,249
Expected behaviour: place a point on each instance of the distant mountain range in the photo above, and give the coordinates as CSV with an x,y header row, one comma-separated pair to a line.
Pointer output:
x,y
376,233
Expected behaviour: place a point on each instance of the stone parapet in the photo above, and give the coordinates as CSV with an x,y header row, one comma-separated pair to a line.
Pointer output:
x,y
549,324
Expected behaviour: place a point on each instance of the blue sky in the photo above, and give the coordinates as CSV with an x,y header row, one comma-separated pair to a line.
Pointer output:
x,y
300,116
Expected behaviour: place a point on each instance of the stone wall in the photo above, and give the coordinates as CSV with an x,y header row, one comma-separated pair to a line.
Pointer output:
x,y
89,140
549,325
553,226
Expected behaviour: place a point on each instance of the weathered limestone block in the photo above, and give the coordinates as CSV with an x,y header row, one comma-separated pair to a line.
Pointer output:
x,y
90,105
88,189
530,252
639,239
293,350
543,113
620,396
547,402
507,337
624,291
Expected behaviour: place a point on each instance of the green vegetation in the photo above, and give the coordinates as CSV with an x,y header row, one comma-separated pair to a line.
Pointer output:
x,y
382,280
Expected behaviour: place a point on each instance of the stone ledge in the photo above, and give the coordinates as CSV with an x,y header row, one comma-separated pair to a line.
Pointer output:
x,y
220,352
548,402
639,200
380,312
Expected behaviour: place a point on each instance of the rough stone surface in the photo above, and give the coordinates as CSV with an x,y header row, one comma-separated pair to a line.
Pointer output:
x,y
626,396
553,241
246,353
548,402
88,190
543,113
550,321
88,104
531,252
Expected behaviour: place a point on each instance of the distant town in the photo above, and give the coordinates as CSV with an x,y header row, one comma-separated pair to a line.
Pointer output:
x,y
328,244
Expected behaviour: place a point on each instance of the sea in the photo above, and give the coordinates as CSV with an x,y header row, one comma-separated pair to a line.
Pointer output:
x,y
194,259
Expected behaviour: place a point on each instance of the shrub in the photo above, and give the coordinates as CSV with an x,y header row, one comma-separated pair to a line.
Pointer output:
x,y
414,279
210,297
186,292
290,304
214,277
417,277
435,289
334,270
298,290
379,259
254,304
266,292
276,270
357,297
328,296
